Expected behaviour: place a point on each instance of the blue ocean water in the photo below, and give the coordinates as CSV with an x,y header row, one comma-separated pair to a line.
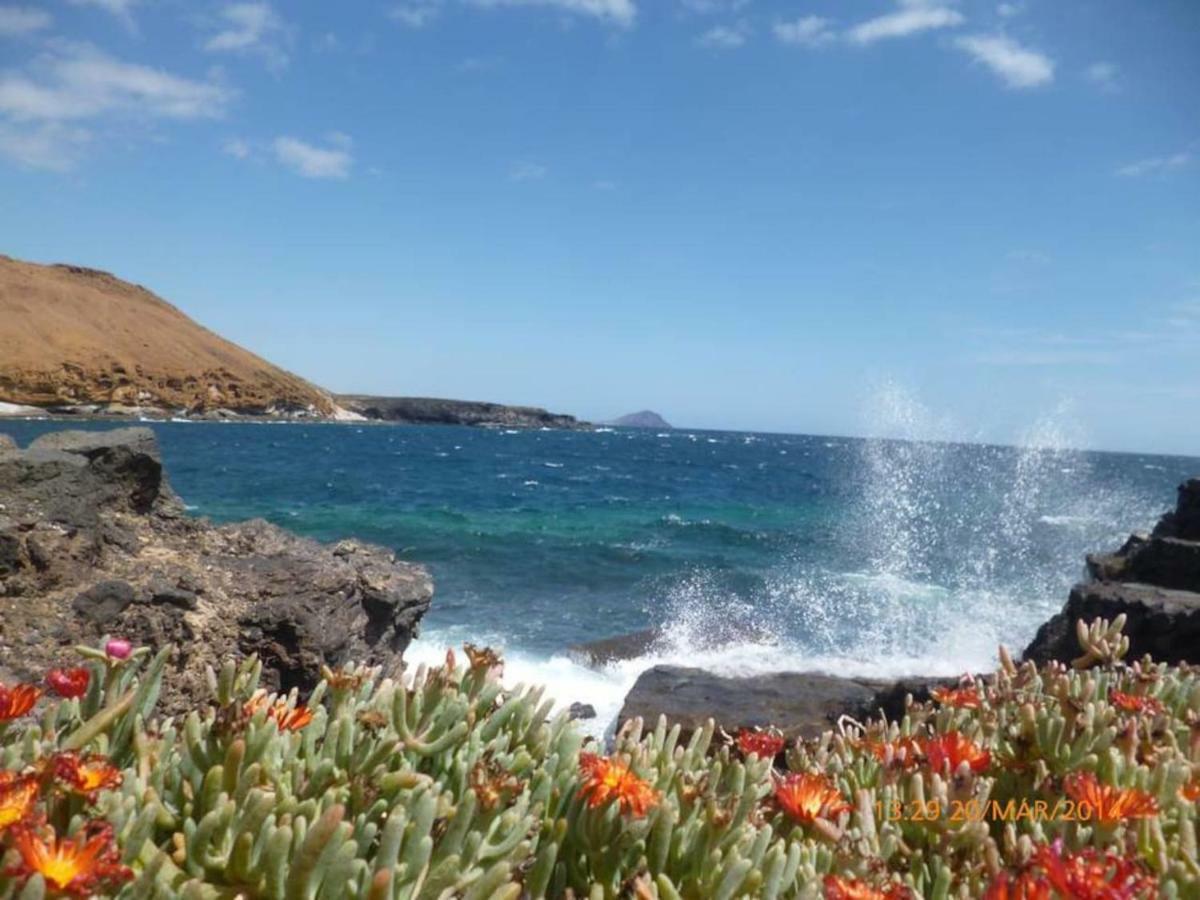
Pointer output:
x,y
851,555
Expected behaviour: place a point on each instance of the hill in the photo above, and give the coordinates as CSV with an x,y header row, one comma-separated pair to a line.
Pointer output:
x,y
431,411
83,340
643,419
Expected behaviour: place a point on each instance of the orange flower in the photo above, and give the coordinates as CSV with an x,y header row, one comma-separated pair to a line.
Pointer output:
x,y
963,698
953,749
285,718
806,797
607,779
1092,875
85,775
83,865
17,796
68,683
837,888
763,744
1109,804
903,750
1026,886
1135,703
1191,791
17,701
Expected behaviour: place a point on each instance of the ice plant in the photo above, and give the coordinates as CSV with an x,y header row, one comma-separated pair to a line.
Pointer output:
x,y
1135,703
608,779
118,648
17,701
903,750
1108,804
285,718
17,796
837,888
84,865
764,744
953,749
1026,886
1092,875
806,797
963,697
85,775
68,683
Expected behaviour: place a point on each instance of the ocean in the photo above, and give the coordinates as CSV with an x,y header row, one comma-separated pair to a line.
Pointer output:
x,y
751,552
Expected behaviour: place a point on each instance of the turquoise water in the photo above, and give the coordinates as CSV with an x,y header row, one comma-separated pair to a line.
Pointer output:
x,y
849,554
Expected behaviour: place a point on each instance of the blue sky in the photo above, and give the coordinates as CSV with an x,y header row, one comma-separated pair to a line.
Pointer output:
x,y
962,219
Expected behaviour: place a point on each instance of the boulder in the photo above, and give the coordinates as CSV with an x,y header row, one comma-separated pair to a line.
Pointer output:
x,y
1162,622
93,542
1184,521
800,704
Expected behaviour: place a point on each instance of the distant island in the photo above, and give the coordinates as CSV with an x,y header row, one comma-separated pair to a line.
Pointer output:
x,y
643,419
76,341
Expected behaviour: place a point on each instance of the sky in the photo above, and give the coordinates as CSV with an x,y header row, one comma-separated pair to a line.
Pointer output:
x,y
934,218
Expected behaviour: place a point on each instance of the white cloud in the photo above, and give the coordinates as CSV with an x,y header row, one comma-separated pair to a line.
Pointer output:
x,y
1008,10
20,20
1155,165
528,171
416,13
42,104
620,12
711,7
1103,74
312,161
122,9
724,37
808,31
1018,66
238,148
912,17
251,28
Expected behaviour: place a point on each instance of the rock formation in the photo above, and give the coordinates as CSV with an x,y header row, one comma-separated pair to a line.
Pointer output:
x,y
93,542
79,340
430,411
1154,580
643,419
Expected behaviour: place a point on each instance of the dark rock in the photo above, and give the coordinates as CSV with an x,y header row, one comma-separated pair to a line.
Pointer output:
x,y
431,411
1184,521
581,711
644,419
1161,622
91,528
800,704
612,649
102,603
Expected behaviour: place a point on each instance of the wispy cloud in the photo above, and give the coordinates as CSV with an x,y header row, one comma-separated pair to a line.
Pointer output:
x,y
333,160
807,31
238,148
911,17
43,105
1019,67
416,13
1008,10
1104,75
21,20
1156,165
619,12
713,7
527,171
724,37
121,9
254,29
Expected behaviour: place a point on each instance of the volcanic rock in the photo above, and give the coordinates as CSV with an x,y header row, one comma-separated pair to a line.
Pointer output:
x,y
93,542
433,411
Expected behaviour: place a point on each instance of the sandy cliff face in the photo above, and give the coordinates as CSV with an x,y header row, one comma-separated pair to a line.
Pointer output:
x,y
71,336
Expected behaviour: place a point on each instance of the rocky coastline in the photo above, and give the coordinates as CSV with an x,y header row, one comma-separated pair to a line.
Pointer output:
x,y
94,542
434,411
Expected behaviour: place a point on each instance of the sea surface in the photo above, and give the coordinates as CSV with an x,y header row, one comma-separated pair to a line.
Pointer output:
x,y
854,556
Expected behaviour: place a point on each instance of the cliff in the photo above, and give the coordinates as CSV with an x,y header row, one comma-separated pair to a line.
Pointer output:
x,y
81,340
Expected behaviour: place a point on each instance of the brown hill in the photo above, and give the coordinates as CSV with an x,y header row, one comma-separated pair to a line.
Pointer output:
x,y
71,336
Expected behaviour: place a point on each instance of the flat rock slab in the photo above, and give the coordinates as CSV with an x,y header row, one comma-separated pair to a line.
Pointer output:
x,y
1162,622
800,704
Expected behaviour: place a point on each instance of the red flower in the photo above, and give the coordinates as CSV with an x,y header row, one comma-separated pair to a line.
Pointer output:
x,y
805,797
85,775
17,796
1026,886
838,888
17,701
84,865
953,749
902,751
763,744
1092,875
963,698
1109,804
1135,703
608,779
68,683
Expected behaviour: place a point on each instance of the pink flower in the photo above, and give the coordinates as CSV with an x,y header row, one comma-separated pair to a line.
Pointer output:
x,y
118,648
